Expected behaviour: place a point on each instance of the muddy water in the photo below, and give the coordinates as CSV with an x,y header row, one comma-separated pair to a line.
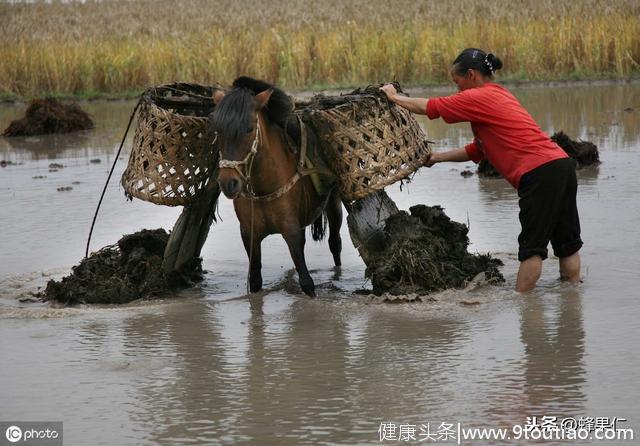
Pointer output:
x,y
214,366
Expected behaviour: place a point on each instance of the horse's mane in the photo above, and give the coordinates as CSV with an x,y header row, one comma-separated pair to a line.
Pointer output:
x,y
280,105
234,110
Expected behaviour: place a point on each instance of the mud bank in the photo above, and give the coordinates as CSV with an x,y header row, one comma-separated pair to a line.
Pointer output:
x,y
121,273
424,251
44,116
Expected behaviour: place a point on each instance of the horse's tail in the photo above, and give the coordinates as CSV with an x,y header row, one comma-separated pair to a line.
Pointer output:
x,y
319,227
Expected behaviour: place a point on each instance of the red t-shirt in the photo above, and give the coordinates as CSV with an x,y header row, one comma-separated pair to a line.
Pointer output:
x,y
504,132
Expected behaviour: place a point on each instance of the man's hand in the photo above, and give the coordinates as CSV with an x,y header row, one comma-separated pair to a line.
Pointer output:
x,y
390,91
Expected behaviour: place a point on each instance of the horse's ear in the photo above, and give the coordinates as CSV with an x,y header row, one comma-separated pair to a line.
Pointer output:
x,y
217,96
263,98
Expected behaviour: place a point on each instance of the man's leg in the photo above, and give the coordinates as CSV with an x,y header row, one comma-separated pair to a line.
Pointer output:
x,y
529,273
570,268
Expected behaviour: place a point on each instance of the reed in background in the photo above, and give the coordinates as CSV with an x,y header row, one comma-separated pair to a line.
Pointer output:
x,y
114,47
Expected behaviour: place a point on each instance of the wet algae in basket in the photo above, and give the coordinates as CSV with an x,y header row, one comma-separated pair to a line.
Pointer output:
x,y
426,251
117,274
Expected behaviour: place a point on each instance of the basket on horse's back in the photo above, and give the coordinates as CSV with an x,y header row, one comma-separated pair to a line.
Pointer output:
x,y
369,142
173,156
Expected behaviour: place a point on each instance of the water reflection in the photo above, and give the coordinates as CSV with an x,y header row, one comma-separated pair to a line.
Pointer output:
x,y
588,175
495,191
276,369
553,335
190,395
49,146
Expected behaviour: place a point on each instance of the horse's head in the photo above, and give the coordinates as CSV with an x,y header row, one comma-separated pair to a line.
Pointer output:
x,y
236,121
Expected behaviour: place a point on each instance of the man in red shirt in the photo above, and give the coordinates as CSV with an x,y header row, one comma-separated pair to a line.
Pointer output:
x,y
507,136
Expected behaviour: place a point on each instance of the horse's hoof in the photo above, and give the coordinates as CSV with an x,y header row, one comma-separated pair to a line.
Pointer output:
x,y
309,291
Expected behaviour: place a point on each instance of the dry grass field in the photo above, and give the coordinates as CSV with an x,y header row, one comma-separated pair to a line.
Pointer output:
x,y
114,47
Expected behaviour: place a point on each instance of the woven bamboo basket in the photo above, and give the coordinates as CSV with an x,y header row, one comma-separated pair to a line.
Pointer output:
x,y
368,142
173,155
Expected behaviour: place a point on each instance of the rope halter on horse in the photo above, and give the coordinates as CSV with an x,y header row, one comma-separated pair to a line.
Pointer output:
x,y
300,173
247,161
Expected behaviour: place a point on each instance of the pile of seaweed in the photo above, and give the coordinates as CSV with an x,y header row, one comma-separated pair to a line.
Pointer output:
x,y
584,152
49,116
486,169
121,273
426,251
323,102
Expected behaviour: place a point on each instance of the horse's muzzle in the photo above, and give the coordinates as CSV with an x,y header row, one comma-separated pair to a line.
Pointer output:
x,y
231,186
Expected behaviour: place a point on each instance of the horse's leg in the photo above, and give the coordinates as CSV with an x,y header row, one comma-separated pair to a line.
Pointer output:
x,y
252,245
295,239
334,216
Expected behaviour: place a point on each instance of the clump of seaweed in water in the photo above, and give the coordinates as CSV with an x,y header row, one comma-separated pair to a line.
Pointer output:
x,y
121,273
584,152
486,169
49,115
426,251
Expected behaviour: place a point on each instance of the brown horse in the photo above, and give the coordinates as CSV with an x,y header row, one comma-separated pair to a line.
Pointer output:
x,y
262,146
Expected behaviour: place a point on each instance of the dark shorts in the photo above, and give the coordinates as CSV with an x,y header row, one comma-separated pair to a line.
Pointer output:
x,y
548,210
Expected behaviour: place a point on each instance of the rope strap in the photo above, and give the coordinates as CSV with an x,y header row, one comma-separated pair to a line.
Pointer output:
x,y
301,171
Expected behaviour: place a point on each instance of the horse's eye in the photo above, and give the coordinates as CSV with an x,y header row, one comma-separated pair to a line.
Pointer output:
x,y
250,130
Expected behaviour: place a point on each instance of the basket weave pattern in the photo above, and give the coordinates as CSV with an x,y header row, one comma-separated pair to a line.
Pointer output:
x,y
370,144
173,158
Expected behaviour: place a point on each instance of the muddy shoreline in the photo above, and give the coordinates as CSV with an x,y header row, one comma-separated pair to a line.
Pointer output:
x,y
411,89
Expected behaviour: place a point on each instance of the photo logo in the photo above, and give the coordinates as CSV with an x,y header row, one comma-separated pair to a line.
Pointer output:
x,y
45,433
13,434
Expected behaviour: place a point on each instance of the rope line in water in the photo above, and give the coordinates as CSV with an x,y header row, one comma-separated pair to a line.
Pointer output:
x,y
113,166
